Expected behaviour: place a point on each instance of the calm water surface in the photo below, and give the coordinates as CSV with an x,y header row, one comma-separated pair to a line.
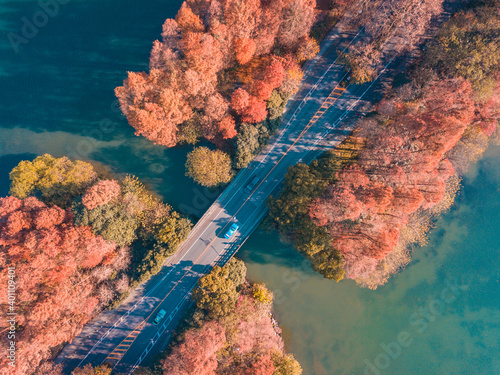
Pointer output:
x,y
56,91
56,96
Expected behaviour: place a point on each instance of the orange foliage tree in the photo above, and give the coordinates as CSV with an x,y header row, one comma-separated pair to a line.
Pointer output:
x,y
195,68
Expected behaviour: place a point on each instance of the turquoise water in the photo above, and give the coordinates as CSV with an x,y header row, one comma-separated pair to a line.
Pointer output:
x,y
57,96
336,329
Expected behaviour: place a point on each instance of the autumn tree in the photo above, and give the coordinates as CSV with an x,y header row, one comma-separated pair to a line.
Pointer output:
x,y
56,289
200,63
227,127
361,61
262,365
216,293
467,46
298,17
197,353
101,193
187,21
209,168
55,180
111,221
244,49
308,49
262,294
89,370
240,100
250,341
286,364
400,169
237,271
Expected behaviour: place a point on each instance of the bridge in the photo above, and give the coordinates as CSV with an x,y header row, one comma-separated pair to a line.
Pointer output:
x,y
317,118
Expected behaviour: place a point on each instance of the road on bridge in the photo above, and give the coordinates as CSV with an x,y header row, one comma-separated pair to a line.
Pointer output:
x,y
318,117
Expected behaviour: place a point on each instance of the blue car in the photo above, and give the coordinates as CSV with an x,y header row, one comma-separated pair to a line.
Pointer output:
x,y
159,316
233,228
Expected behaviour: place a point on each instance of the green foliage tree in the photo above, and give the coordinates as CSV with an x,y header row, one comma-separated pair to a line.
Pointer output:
x,y
329,264
189,132
288,213
262,294
111,221
216,293
302,184
172,230
247,145
469,46
276,104
237,271
209,168
285,364
54,181
252,139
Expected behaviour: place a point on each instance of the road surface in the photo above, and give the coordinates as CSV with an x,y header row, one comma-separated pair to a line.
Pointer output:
x,y
318,117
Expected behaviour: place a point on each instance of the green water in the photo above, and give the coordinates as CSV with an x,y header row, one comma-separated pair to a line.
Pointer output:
x,y
56,96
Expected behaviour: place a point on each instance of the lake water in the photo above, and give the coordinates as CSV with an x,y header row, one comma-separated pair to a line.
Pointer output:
x,y
56,96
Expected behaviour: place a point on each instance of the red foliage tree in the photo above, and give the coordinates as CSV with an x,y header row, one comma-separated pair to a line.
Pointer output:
x,y
202,52
227,127
240,99
298,17
401,169
55,294
273,73
101,193
187,21
244,49
216,109
255,112
263,365
196,354
198,57
261,90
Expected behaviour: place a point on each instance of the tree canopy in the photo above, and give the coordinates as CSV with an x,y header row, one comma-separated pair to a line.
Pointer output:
x,y
216,293
230,331
211,53
72,262
53,180
209,167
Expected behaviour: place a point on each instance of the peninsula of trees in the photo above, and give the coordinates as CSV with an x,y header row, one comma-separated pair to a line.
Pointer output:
x,y
355,211
229,331
223,72
79,241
